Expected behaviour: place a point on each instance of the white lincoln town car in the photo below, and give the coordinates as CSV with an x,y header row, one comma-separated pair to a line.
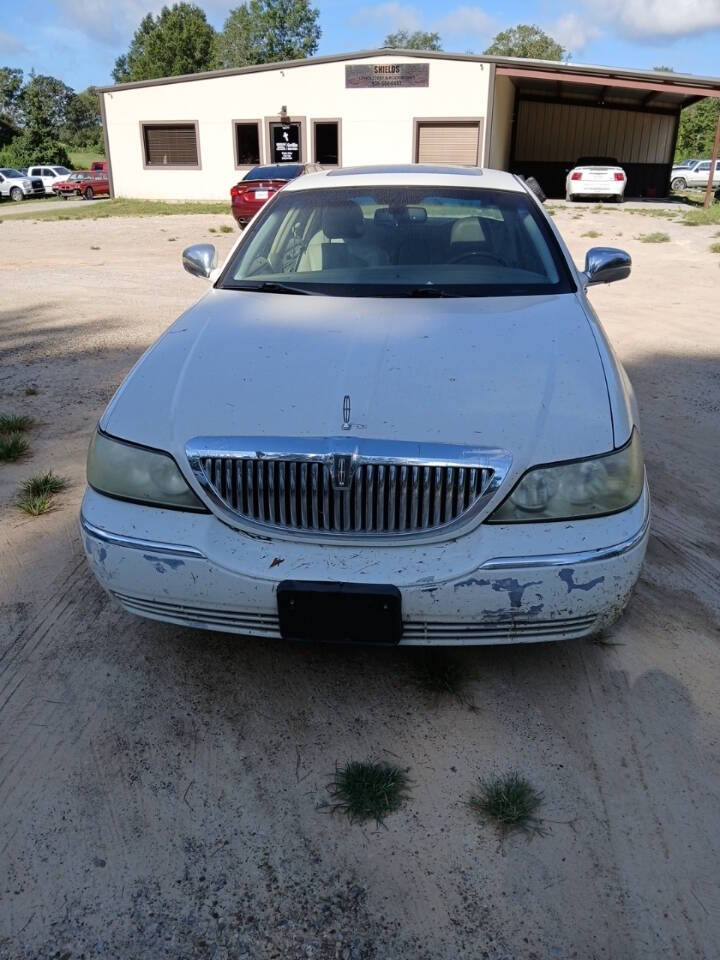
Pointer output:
x,y
393,418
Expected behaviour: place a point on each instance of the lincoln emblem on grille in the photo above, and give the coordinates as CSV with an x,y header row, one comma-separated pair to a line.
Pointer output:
x,y
342,471
346,412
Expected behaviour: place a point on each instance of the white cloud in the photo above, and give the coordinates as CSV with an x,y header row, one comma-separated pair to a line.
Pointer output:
x,y
466,22
109,21
573,32
656,19
9,44
393,16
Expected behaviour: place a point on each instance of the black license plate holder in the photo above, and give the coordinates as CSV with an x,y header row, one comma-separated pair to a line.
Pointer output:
x,y
332,612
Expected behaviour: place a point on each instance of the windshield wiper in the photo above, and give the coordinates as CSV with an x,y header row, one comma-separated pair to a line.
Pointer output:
x,y
429,291
270,286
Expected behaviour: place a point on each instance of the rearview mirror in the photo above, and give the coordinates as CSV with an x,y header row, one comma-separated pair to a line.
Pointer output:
x,y
606,264
200,259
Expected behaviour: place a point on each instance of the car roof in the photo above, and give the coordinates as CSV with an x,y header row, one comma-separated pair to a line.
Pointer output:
x,y
414,174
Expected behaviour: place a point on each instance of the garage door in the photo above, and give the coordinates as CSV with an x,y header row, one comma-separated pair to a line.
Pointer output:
x,y
456,143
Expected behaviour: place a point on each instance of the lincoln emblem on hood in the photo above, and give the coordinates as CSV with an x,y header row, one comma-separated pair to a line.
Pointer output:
x,y
346,412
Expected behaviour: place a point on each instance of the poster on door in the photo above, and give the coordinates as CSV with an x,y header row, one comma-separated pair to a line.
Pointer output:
x,y
286,142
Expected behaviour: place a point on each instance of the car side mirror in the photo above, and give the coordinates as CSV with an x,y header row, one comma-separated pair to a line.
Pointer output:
x,y
606,265
200,259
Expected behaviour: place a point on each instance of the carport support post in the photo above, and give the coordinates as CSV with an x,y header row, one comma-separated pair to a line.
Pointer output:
x,y
713,166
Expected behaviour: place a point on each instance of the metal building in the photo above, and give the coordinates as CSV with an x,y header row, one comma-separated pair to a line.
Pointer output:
x,y
192,137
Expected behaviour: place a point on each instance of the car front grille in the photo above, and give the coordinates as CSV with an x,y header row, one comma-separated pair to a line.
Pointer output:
x,y
376,489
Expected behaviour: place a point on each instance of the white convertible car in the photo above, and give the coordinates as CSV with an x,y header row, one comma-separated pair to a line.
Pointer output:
x,y
596,177
393,418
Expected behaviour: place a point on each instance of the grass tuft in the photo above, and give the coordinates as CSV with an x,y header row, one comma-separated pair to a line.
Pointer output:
x,y
368,791
36,506
715,248
43,483
37,493
12,446
510,802
15,422
31,390
226,229
591,233
653,238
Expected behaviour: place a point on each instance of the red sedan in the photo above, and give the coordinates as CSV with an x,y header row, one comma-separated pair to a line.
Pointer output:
x,y
85,183
261,183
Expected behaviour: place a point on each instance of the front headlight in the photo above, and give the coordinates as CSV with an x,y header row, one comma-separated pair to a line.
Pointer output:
x,y
580,489
123,470
27,184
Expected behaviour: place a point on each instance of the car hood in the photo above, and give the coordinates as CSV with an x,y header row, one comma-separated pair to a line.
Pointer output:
x,y
522,373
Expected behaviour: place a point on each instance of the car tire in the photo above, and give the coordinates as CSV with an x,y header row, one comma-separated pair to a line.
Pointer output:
x,y
89,194
63,196
679,183
620,198
16,194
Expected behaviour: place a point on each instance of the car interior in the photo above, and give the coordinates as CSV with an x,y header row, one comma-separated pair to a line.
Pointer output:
x,y
360,234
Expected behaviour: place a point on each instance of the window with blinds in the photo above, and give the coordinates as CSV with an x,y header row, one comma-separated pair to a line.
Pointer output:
x,y
170,145
455,143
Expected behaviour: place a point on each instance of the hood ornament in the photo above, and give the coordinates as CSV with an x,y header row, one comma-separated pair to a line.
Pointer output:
x,y
346,412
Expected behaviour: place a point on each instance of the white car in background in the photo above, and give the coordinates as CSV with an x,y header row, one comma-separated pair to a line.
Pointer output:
x,y
695,175
17,185
393,418
596,177
50,175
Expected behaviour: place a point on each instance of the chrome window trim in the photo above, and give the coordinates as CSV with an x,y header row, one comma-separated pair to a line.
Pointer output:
x,y
363,451
137,543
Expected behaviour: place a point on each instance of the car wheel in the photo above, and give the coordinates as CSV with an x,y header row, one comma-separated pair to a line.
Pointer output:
x,y
63,196
89,194
620,198
16,194
679,183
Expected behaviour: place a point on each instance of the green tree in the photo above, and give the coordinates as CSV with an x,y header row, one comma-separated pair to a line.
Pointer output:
x,y
403,40
42,105
268,31
526,40
11,84
178,40
83,123
696,132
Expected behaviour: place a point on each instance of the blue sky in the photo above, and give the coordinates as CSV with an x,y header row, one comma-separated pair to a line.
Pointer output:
x,y
78,40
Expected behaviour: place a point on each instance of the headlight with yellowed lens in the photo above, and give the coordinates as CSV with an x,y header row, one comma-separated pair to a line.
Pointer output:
x,y
583,488
124,470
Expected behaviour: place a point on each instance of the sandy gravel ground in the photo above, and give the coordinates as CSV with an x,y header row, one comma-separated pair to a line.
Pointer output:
x,y
162,791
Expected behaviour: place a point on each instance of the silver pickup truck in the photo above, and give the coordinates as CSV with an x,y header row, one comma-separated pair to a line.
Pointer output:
x,y
16,186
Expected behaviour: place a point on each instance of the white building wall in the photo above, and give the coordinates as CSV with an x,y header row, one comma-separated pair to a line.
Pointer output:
x,y
377,123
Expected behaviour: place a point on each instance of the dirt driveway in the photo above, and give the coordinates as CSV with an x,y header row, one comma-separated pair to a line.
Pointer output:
x,y
162,791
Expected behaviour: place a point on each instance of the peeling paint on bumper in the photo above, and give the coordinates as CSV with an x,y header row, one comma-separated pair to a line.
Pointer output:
x,y
193,570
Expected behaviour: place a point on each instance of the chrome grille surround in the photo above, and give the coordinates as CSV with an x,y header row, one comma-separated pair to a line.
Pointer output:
x,y
345,487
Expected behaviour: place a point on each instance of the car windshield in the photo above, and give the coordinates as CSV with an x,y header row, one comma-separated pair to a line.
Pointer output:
x,y
398,241
79,176
61,170
283,171
10,172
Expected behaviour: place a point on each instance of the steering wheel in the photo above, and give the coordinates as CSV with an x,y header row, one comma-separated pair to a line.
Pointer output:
x,y
260,265
475,254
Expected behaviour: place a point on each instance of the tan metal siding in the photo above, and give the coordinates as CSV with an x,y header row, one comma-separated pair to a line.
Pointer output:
x,y
553,132
456,143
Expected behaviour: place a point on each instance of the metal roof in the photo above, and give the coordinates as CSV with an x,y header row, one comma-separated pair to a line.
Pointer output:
x,y
702,86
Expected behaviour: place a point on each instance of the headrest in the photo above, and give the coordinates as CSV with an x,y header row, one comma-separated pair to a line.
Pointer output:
x,y
467,230
342,220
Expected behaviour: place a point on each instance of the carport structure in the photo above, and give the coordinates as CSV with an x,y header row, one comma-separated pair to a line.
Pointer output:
x,y
547,115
